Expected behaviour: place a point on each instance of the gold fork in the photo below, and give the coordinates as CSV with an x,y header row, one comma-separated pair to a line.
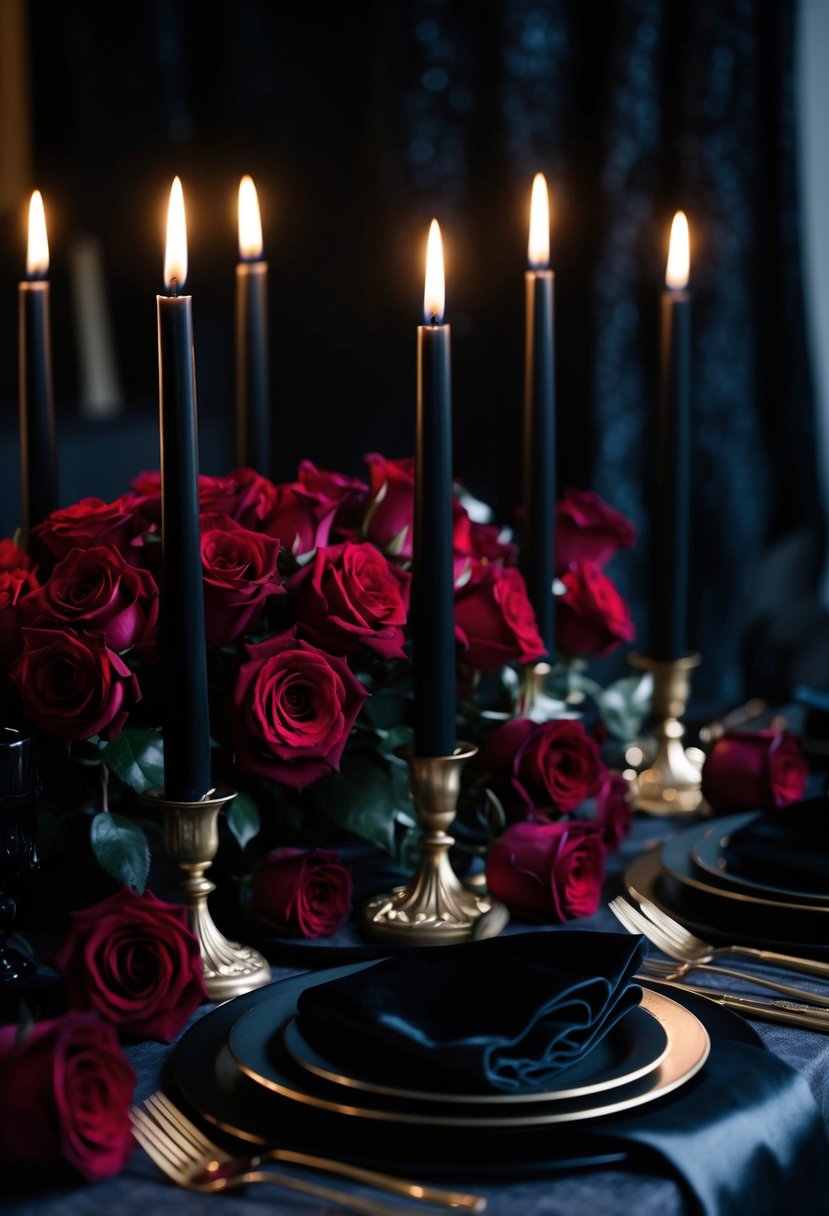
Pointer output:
x,y
193,1161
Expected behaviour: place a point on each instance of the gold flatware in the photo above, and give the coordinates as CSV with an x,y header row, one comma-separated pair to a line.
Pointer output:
x,y
789,1013
635,922
186,1156
694,949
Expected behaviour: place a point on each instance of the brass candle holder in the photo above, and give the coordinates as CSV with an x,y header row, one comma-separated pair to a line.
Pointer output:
x,y
434,908
534,698
671,786
190,832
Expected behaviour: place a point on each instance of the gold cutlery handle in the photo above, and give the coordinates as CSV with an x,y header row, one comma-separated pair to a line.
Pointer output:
x,y
360,1204
808,966
385,1182
812,999
791,1013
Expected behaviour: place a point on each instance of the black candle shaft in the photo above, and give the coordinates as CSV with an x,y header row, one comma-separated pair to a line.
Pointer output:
x,y
433,597
182,637
538,533
672,491
253,422
38,463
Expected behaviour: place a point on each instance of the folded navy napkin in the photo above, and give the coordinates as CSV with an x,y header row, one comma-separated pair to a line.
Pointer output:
x,y
788,847
504,1015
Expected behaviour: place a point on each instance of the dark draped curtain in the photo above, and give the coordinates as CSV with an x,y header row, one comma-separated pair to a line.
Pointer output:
x,y
359,122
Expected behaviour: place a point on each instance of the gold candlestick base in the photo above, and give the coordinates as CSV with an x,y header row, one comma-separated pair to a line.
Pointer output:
x,y
190,832
671,786
434,908
534,698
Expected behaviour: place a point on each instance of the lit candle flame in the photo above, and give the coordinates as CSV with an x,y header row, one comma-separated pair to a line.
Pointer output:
x,y
434,295
679,254
250,221
538,249
175,253
37,249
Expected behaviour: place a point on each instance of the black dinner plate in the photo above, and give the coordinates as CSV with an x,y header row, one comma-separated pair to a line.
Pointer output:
x,y
708,852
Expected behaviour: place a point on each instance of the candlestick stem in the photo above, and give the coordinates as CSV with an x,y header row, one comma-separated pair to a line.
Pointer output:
x,y
671,786
434,908
190,832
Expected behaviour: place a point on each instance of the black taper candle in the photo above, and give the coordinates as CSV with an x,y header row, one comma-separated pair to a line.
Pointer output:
x,y
38,461
253,405
432,594
539,469
671,506
182,647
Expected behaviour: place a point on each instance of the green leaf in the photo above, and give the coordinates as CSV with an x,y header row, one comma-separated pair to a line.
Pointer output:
x,y
243,819
25,1022
137,757
495,813
361,800
624,706
386,708
121,848
396,737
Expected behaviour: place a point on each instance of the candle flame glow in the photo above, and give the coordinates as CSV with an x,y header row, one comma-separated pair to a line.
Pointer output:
x,y
37,249
434,295
538,249
679,254
250,221
175,253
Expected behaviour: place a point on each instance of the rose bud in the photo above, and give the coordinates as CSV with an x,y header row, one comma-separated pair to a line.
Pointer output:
x,y
300,519
305,894
350,598
388,523
589,530
494,619
16,586
754,771
240,574
12,557
591,616
133,959
66,1091
548,764
547,871
348,495
73,684
92,522
293,710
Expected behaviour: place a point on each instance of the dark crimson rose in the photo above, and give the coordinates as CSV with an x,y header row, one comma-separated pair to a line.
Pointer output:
x,y
494,620
489,543
388,523
302,894
614,814
591,616
66,1091
73,684
548,764
92,522
12,557
349,494
350,598
95,590
244,495
754,771
16,586
240,574
547,871
300,519
133,959
589,530
294,709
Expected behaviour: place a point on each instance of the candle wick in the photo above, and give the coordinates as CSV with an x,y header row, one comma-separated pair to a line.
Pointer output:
x,y
434,318
174,287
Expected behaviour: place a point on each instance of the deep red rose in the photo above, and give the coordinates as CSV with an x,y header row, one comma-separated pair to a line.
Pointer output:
x,y
488,543
614,814
95,590
66,1092
547,871
589,530
294,708
754,770
302,894
349,494
300,519
591,616
244,495
133,959
16,587
121,524
349,598
549,764
12,557
494,620
240,574
73,684
390,515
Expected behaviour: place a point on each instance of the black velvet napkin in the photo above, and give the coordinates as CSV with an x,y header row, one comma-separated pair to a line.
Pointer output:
x,y
505,1014
788,847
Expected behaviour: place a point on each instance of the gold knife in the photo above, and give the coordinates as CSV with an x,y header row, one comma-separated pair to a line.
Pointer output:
x,y
791,1013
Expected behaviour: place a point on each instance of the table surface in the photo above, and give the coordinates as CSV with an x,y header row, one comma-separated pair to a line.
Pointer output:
x,y
141,1191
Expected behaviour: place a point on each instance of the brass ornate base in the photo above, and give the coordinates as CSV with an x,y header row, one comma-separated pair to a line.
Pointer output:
x,y
434,908
671,786
191,838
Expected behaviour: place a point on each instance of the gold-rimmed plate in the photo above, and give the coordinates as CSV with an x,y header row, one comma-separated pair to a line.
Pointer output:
x,y
708,852
256,1044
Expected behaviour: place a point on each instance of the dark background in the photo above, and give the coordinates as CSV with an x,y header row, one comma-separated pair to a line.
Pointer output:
x,y
359,122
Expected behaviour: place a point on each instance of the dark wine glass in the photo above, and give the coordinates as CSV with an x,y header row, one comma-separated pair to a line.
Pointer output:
x,y
18,830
